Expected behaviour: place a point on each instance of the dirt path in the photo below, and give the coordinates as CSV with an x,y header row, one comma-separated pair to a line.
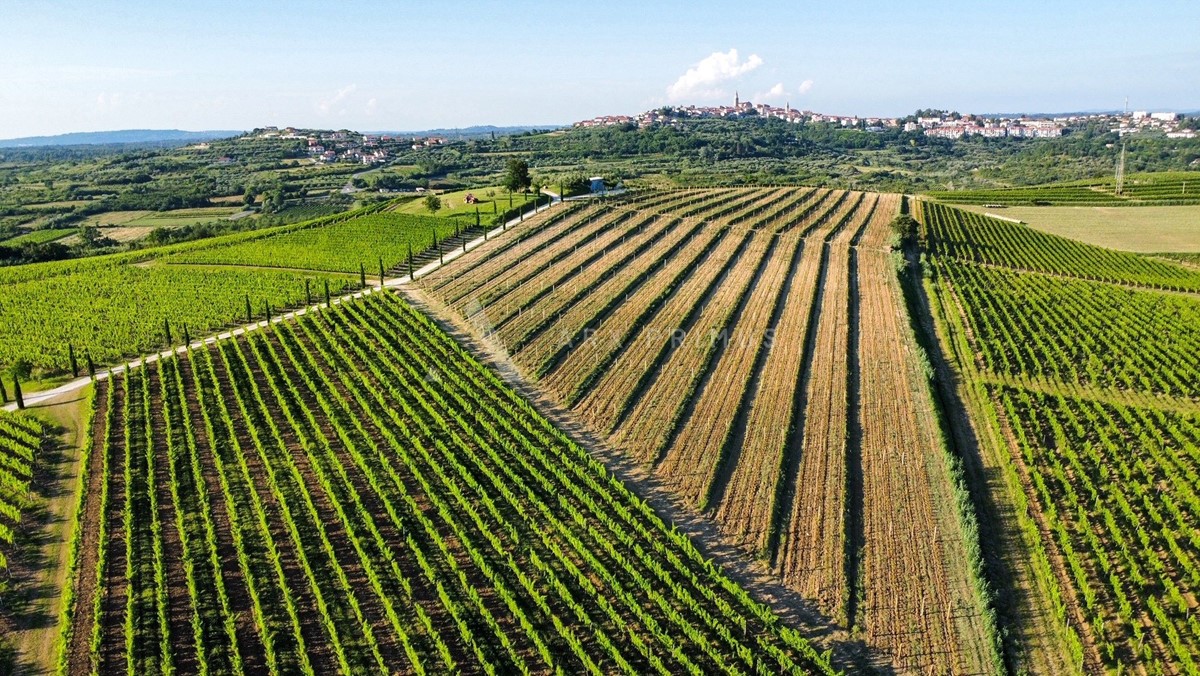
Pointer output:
x,y
755,576
43,576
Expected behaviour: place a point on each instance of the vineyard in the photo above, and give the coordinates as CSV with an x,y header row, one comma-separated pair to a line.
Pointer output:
x,y
975,238
120,311
21,438
1093,387
339,247
352,492
1152,188
747,349
111,308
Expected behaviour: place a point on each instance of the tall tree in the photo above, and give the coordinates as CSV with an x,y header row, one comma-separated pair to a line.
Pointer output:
x,y
516,175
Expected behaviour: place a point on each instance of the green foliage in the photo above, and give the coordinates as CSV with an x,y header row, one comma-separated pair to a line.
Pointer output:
x,y
21,440
1155,188
1120,483
432,203
38,237
119,310
516,175
967,236
1080,332
905,228
338,247
362,453
1096,384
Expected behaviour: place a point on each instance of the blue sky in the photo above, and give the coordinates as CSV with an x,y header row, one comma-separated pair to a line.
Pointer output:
x,y
97,65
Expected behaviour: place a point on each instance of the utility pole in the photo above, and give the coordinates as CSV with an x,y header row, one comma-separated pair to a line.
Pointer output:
x,y
1121,171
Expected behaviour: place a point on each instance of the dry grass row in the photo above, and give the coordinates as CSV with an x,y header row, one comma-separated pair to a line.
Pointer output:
x,y
813,550
918,603
651,423
604,250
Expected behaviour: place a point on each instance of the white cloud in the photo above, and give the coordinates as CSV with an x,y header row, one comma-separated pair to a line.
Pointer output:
x,y
108,101
703,79
330,104
778,92
372,105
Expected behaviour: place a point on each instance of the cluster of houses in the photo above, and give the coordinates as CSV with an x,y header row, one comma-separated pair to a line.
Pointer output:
x,y
349,146
673,115
951,126
1144,121
958,126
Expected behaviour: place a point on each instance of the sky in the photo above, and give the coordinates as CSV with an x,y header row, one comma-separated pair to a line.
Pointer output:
x,y
69,65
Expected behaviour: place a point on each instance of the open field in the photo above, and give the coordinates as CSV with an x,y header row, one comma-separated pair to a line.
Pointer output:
x,y
1090,386
454,203
161,219
351,492
1148,229
747,347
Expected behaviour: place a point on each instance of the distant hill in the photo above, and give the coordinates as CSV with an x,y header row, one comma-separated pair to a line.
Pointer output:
x,y
115,137
472,132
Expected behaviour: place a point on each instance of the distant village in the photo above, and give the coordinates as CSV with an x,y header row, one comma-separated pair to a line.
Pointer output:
x,y
348,146
946,125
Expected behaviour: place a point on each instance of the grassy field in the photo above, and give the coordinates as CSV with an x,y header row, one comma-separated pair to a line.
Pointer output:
x,y
38,236
1138,229
454,203
158,219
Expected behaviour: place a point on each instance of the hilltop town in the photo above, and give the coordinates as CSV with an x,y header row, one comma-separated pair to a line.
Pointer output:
x,y
938,124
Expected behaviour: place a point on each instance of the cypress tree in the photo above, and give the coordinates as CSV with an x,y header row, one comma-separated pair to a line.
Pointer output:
x,y
441,258
477,218
381,272
267,310
3,392
362,275
74,362
187,338
91,366
307,292
167,330
410,262
327,293
17,392
249,313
